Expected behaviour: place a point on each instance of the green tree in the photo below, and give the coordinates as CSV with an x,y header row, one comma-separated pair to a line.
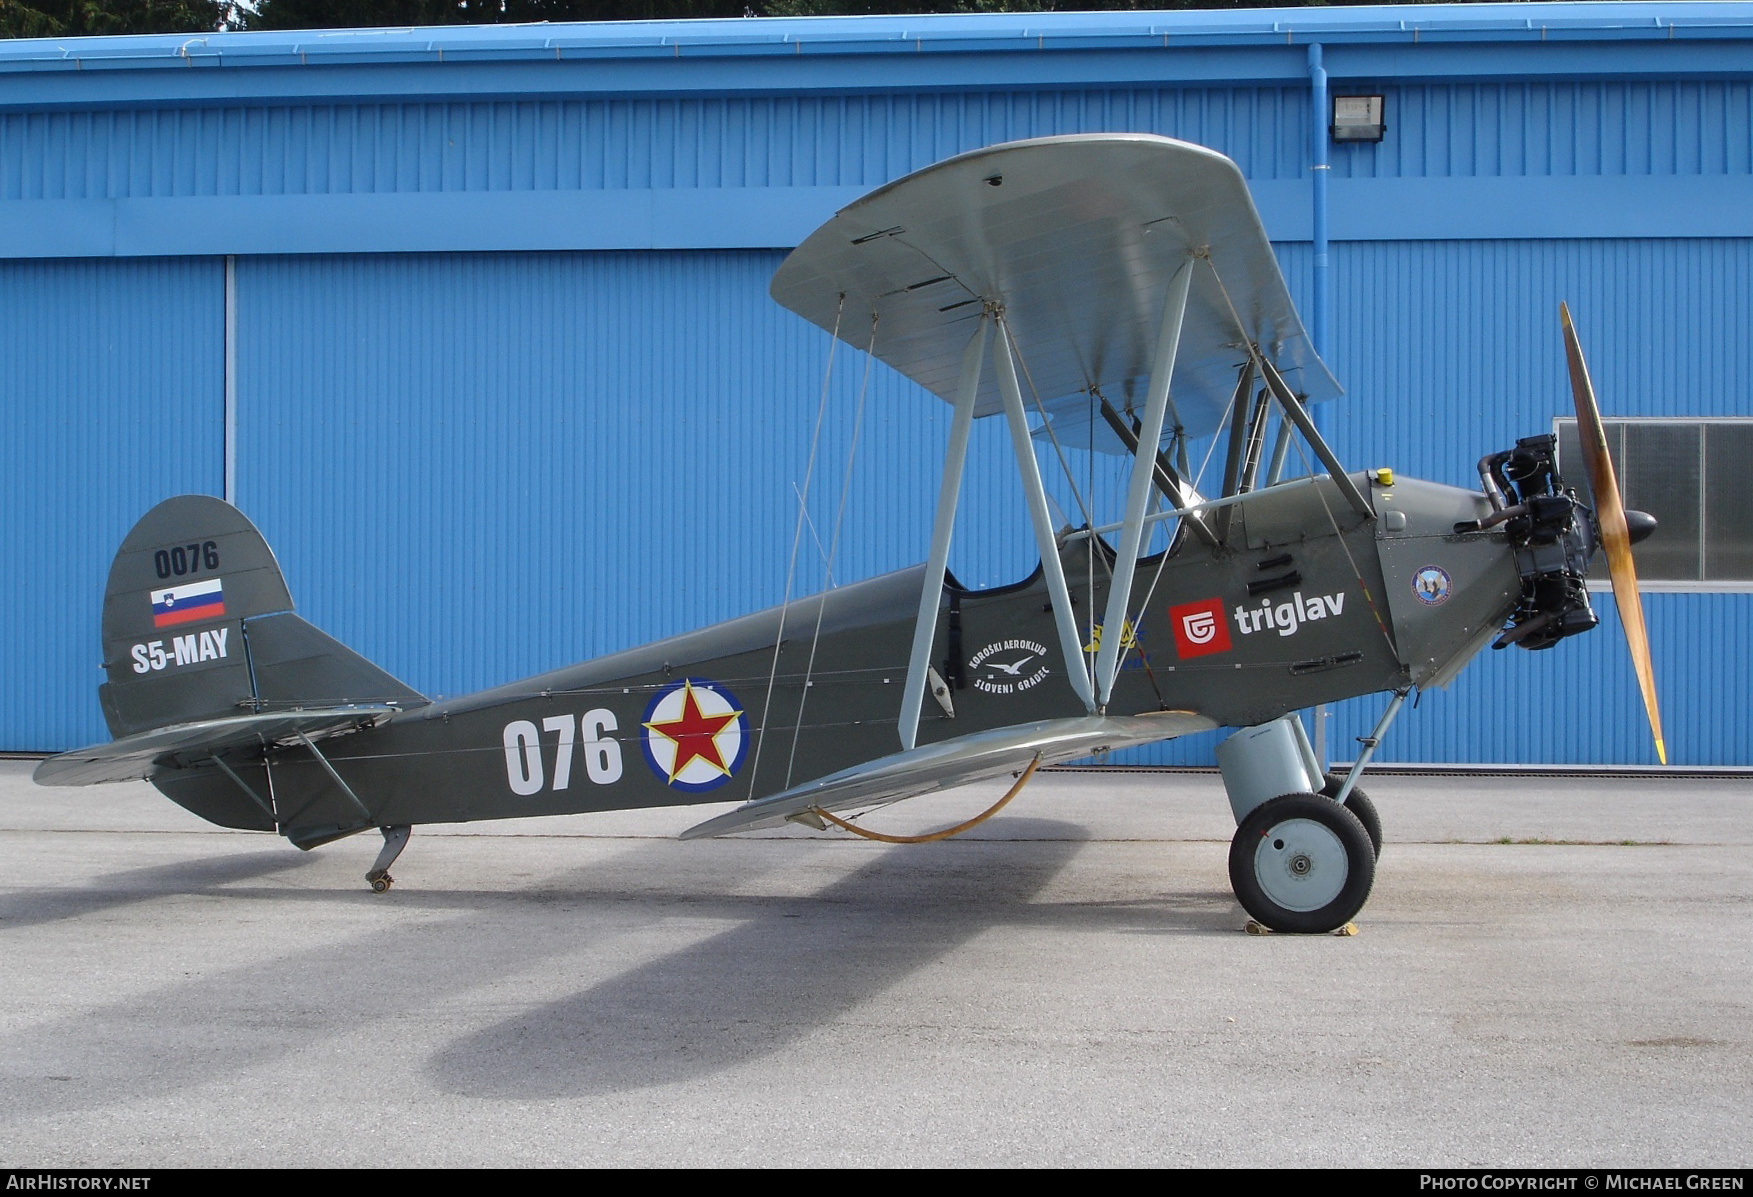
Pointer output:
x,y
345,14
340,14
77,18
84,18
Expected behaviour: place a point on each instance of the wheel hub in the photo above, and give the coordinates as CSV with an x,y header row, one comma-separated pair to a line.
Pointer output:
x,y
1301,865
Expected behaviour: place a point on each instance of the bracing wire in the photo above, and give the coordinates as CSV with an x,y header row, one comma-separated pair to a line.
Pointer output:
x,y
1195,483
1356,573
1150,591
803,498
1368,598
1089,548
833,545
815,535
1047,424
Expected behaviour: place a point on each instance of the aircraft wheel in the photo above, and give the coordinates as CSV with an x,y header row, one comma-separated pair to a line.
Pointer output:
x,y
1301,863
1359,804
381,885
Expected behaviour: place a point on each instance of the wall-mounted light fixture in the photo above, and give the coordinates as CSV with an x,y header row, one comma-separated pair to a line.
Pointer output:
x,y
1358,118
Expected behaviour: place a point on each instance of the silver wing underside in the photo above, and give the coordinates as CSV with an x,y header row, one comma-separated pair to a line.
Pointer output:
x,y
140,756
1077,238
977,757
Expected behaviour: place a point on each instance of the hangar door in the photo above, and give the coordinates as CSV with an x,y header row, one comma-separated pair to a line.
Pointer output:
x,y
113,390
475,467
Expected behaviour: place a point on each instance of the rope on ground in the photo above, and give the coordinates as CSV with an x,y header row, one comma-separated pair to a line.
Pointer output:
x,y
1021,781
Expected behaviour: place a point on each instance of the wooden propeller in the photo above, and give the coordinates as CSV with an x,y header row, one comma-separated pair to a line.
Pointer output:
x,y
1615,532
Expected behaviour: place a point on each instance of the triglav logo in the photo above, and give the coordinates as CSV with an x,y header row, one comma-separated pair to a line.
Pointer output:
x,y
1199,628
1011,666
1202,628
1288,615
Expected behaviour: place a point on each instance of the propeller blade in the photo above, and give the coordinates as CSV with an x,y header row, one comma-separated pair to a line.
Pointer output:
x,y
1615,532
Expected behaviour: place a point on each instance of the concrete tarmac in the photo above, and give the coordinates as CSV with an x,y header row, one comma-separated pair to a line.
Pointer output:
x,y
1549,972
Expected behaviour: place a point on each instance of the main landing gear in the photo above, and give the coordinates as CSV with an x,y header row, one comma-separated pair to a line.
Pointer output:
x,y
394,840
1302,863
1304,856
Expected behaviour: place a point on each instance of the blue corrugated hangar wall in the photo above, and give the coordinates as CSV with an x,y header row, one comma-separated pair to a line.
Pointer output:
x,y
487,309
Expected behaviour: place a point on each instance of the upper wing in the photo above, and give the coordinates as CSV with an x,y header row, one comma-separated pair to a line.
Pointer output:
x,y
976,757
1077,237
138,757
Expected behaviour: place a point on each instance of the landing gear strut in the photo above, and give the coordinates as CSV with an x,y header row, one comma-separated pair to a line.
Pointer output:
x,y
394,840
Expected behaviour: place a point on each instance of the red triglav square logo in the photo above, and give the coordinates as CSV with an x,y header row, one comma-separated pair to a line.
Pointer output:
x,y
1200,628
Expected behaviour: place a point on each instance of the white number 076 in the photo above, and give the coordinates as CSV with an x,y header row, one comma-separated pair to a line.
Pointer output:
x,y
523,751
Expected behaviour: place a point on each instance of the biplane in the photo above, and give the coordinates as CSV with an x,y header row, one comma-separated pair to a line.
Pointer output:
x,y
1108,292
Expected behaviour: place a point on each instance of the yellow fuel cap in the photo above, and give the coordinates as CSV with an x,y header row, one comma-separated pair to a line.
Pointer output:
x,y
1384,477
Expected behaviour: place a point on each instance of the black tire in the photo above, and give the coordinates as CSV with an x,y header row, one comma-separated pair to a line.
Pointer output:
x,y
1302,863
1359,804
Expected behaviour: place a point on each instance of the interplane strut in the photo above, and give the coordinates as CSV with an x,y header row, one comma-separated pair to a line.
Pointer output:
x,y
931,590
1143,475
1029,470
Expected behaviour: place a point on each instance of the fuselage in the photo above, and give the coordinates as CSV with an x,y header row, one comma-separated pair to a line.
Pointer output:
x,y
1303,601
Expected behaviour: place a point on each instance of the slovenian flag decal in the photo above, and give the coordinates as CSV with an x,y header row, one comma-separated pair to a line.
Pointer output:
x,y
185,604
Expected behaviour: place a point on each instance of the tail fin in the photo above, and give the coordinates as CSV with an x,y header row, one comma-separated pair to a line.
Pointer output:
x,y
198,624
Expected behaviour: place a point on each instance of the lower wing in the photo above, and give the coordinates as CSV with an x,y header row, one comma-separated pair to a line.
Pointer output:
x,y
980,756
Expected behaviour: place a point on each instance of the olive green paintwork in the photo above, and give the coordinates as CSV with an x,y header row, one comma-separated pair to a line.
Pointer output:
x,y
1298,546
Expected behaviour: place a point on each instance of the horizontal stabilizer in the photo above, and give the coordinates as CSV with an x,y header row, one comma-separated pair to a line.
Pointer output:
x,y
977,757
138,757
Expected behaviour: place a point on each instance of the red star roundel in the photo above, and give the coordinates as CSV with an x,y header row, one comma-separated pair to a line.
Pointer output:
x,y
694,734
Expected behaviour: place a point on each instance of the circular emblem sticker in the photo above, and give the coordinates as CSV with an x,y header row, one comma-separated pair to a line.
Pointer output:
x,y
1008,666
1430,585
694,734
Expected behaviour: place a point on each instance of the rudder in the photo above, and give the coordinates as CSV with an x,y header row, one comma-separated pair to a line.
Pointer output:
x,y
198,624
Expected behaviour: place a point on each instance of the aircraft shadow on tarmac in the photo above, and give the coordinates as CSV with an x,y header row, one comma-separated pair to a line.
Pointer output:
x,y
749,990
799,965
29,908
789,964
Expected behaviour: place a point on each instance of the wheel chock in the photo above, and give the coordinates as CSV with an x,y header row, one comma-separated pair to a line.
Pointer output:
x,y
1258,928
